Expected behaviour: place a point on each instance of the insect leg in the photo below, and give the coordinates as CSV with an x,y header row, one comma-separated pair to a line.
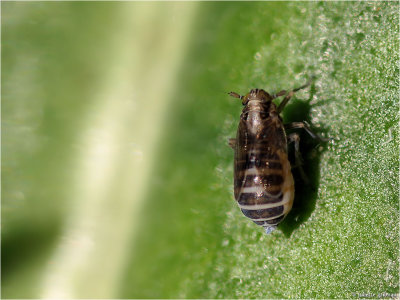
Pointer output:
x,y
306,127
235,95
232,143
289,95
294,137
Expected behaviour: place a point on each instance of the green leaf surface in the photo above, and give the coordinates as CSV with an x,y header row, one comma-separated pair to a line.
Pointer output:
x,y
341,240
189,238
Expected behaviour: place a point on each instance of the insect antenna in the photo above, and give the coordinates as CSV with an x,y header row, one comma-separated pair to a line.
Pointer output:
x,y
235,95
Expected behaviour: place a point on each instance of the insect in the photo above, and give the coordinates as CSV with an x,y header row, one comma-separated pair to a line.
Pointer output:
x,y
263,181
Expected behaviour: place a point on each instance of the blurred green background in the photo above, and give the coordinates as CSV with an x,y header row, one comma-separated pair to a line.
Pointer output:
x,y
116,174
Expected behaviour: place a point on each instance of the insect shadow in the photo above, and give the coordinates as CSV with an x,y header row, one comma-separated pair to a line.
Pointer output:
x,y
305,191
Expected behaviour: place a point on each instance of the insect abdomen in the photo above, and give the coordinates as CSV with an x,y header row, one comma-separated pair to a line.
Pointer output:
x,y
264,186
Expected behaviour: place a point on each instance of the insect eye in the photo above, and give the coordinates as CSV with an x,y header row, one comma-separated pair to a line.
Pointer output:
x,y
244,116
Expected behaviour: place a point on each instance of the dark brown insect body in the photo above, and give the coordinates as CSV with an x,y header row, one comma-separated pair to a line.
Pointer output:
x,y
263,181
